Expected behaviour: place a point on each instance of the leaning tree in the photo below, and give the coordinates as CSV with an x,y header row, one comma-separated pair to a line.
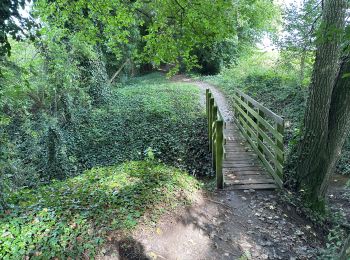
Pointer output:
x,y
327,115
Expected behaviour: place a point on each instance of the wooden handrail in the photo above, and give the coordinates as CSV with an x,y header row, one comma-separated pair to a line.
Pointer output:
x,y
266,138
216,137
262,128
256,104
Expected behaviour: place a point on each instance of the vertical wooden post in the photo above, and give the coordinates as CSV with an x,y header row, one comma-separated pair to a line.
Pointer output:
x,y
236,112
279,145
214,113
219,154
243,109
252,117
214,134
211,104
262,128
208,114
207,102
207,97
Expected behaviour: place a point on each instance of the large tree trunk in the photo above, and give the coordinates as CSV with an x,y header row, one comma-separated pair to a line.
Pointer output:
x,y
339,122
302,67
345,252
3,204
316,153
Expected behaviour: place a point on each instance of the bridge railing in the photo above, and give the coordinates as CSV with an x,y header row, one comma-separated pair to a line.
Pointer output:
x,y
216,126
264,131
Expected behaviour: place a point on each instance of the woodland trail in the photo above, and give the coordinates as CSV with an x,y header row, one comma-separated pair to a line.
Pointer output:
x,y
222,224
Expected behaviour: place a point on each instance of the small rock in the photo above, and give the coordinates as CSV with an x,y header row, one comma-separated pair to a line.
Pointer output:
x,y
299,232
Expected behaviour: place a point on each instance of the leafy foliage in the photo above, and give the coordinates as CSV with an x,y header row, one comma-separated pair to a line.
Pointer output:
x,y
71,218
12,23
159,32
146,113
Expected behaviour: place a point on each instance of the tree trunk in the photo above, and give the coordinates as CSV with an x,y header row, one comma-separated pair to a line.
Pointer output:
x,y
3,204
339,122
314,152
302,67
345,252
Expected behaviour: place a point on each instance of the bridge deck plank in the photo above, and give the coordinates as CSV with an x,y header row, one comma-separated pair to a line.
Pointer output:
x,y
242,168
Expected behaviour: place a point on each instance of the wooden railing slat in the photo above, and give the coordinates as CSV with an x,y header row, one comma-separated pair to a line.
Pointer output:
x,y
267,111
252,119
261,120
262,158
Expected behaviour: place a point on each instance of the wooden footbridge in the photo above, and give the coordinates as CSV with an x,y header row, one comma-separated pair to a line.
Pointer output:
x,y
248,152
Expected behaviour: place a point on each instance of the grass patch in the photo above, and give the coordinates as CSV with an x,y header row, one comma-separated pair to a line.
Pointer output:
x,y
71,218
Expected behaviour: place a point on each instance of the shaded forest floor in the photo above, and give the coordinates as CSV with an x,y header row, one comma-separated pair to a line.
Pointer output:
x,y
223,224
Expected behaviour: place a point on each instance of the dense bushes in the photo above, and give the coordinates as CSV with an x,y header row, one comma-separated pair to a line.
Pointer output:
x,y
53,210
143,115
146,113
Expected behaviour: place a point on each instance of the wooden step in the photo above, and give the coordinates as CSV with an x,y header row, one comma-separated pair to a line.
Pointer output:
x,y
243,172
268,186
251,181
241,159
237,149
243,168
240,154
239,165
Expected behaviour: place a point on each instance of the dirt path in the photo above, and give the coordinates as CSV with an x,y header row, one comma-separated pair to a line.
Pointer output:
x,y
219,97
222,225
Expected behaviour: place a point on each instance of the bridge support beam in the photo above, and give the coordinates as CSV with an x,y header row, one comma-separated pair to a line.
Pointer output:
x,y
219,125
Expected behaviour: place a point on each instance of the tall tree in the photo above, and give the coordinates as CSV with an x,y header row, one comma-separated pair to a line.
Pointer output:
x,y
327,116
298,39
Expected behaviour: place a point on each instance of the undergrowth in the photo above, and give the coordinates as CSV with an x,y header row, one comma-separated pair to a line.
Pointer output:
x,y
146,113
104,170
71,218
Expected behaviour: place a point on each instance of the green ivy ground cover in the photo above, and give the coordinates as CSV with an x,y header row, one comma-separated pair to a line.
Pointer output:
x,y
124,158
148,112
71,218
